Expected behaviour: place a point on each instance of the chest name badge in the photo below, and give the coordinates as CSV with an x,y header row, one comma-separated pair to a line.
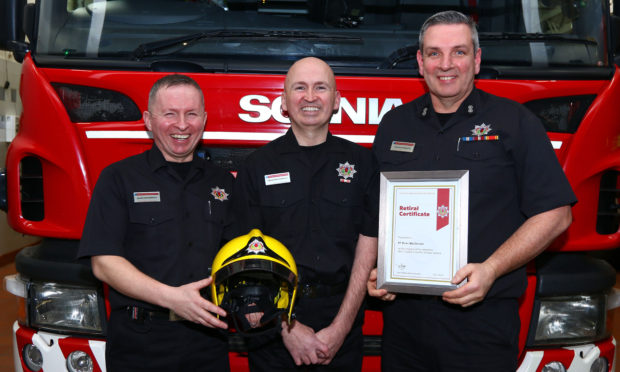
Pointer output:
x,y
346,171
146,197
402,146
219,194
277,178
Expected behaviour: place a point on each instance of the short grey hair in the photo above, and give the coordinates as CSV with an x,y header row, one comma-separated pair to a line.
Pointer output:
x,y
171,81
450,17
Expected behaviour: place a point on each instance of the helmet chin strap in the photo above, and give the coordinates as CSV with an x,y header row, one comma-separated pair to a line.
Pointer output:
x,y
248,300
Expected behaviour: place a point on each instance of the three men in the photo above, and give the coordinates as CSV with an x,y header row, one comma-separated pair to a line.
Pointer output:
x,y
318,195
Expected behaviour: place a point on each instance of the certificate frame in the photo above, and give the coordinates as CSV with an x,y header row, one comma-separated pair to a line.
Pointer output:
x,y
422,241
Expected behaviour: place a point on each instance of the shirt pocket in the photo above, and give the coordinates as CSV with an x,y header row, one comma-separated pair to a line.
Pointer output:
x,y
480,150
151,232
488,164
215,216
283,211
215,211
342,211
400,160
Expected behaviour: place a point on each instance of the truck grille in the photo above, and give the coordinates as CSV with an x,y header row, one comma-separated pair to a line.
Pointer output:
x,y
608,216
31,188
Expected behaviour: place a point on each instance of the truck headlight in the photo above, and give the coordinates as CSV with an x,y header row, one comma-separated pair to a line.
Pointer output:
x,y
60,307
575,319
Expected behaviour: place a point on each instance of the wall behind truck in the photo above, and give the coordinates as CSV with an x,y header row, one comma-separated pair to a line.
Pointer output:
x,y
10,109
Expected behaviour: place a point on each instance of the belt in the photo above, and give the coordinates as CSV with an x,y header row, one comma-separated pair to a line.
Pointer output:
x,y
140,314
321,290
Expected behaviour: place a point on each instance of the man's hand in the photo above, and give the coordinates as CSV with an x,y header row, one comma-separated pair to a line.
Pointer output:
x,y
536,233
303,344
187,302
333,338
480,278
378,293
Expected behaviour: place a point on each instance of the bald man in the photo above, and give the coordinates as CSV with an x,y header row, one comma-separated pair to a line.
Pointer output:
x,y
317,194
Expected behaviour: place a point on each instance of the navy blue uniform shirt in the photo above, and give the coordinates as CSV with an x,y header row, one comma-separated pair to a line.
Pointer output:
x,y
169,228
315,201
514,173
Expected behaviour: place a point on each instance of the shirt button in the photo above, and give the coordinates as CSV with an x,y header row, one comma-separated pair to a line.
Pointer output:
x,y
152,220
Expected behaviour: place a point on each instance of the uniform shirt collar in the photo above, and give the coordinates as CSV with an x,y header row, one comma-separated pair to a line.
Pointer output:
x,y
156,159
424,107
290,144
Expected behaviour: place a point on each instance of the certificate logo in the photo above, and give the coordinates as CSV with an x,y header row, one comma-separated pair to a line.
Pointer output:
x,y
442,211
443,208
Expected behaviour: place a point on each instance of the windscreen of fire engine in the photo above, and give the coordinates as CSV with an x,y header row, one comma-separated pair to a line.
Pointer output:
x,y
365,34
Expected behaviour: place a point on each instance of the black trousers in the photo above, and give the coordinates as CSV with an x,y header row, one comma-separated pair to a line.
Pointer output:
x,y
162,345
272,356
423,333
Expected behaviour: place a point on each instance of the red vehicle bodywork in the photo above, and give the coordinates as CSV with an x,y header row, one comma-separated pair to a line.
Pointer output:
x,y
73,154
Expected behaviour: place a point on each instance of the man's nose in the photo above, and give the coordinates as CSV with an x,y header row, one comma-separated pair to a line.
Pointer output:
x,y
446,61
183,122
310,95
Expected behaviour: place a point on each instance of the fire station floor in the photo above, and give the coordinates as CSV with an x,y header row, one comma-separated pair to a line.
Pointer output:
x,y
8,314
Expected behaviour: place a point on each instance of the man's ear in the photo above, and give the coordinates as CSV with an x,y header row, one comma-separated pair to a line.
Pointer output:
x,y
283,103
147,120
337,101
420,63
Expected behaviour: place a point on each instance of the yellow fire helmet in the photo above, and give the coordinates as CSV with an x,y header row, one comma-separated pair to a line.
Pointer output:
x,y
254,274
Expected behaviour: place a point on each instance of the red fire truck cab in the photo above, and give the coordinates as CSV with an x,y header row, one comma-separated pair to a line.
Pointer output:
x,y
88,66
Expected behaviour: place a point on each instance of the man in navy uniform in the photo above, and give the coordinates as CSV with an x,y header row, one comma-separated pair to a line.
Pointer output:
x,y
153,227
318,195
519,201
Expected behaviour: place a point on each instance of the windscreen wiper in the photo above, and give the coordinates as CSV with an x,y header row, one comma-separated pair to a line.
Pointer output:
x,y
533,37
149,49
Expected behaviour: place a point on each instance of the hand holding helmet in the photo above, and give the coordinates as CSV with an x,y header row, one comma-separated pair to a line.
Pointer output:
x,y
255,281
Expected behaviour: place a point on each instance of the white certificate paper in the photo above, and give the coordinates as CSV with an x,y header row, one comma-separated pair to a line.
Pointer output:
x,y
423,230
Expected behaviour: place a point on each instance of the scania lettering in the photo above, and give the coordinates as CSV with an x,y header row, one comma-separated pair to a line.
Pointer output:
x,y
264,110
88,66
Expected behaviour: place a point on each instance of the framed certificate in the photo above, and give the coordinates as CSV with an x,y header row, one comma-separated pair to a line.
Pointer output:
x,y
423,219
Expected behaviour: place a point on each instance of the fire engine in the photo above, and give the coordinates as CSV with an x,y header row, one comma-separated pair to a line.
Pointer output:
x,y
88,66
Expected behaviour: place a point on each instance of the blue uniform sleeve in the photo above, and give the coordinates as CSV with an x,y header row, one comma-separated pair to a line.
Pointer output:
x,y
106,220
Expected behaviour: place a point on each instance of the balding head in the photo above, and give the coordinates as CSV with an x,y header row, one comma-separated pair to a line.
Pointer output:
x,y
310,98
314,64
